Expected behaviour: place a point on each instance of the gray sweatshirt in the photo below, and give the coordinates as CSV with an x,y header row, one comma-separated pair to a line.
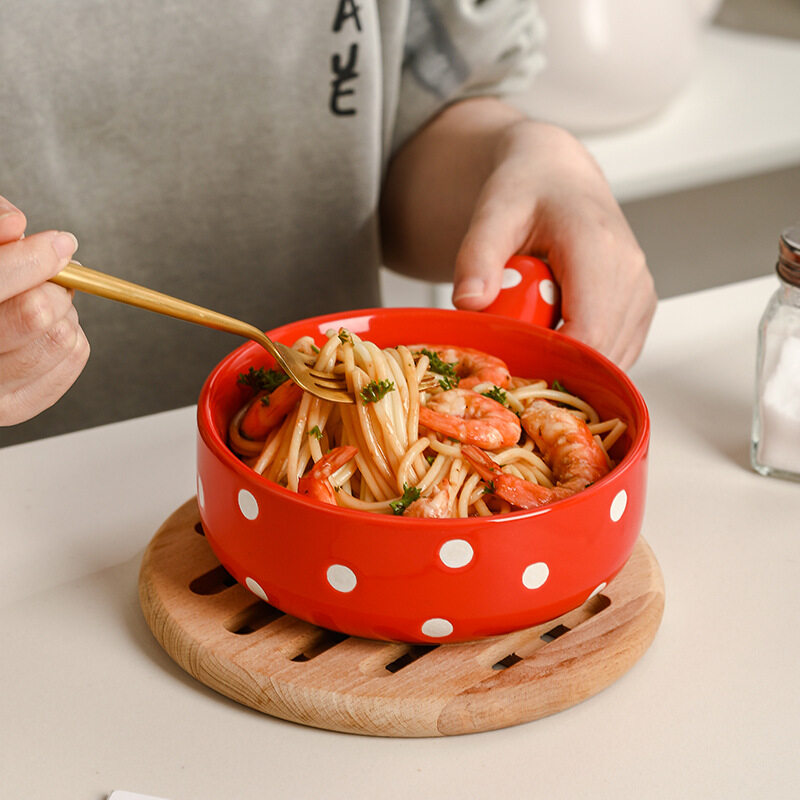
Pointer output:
x,y
229,153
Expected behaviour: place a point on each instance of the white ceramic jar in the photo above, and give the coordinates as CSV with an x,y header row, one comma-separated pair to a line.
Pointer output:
x,y
612,63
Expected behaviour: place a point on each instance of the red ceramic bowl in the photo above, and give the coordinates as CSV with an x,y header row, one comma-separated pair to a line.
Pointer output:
x,y
528,292
418,580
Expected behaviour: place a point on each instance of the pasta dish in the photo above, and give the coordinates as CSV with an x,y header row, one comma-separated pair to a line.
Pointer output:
x,y
436,431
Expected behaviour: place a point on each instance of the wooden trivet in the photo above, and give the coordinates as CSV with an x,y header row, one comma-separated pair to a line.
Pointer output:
x,y
253,653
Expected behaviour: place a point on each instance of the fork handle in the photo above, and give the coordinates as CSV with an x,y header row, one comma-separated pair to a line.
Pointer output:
x,y
76,276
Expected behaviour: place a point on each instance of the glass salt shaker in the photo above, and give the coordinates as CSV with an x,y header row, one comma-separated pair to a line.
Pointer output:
x,y
775,448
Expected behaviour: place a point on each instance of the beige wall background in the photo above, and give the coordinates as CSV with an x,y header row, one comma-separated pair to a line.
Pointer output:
x,y
717,234
725,232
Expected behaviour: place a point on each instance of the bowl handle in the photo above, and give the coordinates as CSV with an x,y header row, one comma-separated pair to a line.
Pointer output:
x,y
528,292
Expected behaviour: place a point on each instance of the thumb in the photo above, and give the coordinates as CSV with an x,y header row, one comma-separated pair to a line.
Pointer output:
x,y
12,222
495,233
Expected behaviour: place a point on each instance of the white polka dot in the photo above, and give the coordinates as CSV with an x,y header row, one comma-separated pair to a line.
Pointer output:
x,y
547,291
456,553
597,590
510,278
201,495
618,505
342,578
437,627
247,504
535,575
256,589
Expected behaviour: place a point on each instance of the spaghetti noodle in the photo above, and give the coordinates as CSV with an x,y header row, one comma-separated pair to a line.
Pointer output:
x,y
416,442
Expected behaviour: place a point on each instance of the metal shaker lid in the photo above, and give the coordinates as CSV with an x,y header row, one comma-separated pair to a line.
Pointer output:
x,y
788,265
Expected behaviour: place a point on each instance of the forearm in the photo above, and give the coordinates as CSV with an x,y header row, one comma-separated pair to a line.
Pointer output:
x,y
433,183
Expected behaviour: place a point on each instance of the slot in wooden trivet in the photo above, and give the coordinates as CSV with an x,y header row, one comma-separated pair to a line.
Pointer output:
x,y
251,652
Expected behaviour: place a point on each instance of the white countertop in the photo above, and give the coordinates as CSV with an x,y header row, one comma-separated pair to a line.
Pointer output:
x,y
91,703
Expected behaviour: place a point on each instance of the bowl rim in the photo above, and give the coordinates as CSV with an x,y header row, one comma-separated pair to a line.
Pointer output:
x,y
220,449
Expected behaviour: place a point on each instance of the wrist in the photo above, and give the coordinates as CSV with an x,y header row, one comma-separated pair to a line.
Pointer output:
x,y
546,149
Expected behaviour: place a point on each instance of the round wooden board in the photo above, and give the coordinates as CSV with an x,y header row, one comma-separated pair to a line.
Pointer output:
x,y
253,653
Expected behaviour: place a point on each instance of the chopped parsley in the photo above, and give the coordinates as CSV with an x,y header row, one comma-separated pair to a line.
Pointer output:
x,y
447,383
376,390
445,368
410,494
497,394
430,459
316,432
263,380
345,337
489,488
557,386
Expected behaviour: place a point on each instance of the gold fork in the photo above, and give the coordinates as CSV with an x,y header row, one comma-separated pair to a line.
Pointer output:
x,y
325,385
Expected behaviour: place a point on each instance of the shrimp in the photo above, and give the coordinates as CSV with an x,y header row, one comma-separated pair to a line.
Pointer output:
x,y
517,491
471,418
262,417
316,482
566,444
435,506
471,366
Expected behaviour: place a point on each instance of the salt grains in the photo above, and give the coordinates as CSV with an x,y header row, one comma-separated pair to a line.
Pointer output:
x,y
779,444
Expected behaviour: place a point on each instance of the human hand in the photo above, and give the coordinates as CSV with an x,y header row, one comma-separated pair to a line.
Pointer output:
x,y
42,346
545,196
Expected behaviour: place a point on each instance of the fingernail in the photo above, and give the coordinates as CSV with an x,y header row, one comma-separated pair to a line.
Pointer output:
x,y
65,244
469,288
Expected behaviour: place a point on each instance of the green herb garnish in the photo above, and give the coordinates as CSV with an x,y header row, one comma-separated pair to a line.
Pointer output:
x,y
314,349
430,459
489,488
447,383
345,337
375,390
263,380
497,394
557,386
445,368
315,431
410,494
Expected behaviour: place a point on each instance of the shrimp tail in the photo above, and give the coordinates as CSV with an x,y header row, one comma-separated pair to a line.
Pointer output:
x,y
262,416
480,462
517,491
316,483
332,461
